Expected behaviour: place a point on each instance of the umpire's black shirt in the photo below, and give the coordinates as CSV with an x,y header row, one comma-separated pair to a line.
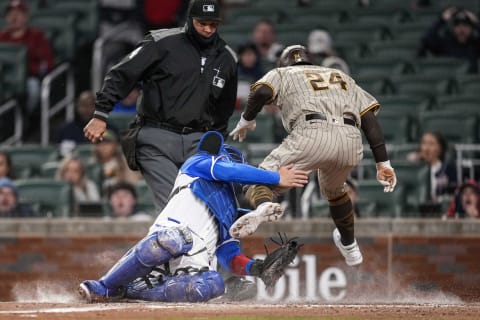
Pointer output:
x,y
184,84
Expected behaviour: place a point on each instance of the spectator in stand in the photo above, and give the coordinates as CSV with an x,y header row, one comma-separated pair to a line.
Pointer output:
x,y
72,170
320,48
164,14
122,27
443,174
264,38
6,169
39,51
71,134
108,153
122,201
9,206
249,68
454,34
465,204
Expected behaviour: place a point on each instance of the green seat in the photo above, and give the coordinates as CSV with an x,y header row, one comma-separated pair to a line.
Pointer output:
x,y
441,66
360,34
406,104
59,27
378,67
460,103
52,197
85,151
397,127
421,85
87,11
120,120
13,58
390,204
415,178
374,84
394,50
144,194
469,84
28,159
456,127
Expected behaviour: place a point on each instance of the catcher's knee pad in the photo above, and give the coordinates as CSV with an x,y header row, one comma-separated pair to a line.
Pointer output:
x,y
257,194
163,244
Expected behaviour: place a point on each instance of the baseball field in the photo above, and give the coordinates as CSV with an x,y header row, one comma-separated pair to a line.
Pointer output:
x,y
144,311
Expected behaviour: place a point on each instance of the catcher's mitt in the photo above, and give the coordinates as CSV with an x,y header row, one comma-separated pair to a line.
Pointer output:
x,y
273,267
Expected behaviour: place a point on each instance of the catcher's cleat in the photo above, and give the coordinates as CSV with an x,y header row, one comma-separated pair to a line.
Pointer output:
x,y
94,291
351,253
239,288
248,223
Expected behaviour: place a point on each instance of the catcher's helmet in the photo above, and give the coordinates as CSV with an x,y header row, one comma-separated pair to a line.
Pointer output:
x,y
293,55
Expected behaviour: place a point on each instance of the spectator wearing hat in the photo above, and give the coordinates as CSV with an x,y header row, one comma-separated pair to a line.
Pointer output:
x,y
9,205
122,201
322,52
39,51
455,34
465,204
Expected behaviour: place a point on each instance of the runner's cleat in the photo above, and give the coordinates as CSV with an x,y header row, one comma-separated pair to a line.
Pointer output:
x,y
351,252
247,224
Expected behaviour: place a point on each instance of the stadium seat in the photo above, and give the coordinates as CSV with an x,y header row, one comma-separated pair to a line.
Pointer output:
x,y
59,27
374,84
380,67
457,127
406,104
144,194
469,84
13,58
87,11
425,86
397,127
387,204
28,159
440,66
414,178
53,198
120,120
459,103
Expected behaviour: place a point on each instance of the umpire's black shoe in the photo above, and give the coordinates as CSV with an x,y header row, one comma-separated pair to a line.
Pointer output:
x,y
238,289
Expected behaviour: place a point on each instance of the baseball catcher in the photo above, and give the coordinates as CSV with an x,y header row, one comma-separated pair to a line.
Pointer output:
x,y
177,260
324,112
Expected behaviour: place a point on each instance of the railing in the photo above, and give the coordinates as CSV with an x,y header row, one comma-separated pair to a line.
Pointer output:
x,y
464,161
16,138
67,102
97,71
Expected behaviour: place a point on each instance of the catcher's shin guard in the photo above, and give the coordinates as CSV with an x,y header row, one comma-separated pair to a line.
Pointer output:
x,y
155,249
198,287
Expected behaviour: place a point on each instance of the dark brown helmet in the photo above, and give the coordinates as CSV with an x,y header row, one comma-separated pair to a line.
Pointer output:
x,y
293,55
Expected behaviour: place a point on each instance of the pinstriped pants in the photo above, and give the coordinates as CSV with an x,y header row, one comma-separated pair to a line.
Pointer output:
x,y
333,149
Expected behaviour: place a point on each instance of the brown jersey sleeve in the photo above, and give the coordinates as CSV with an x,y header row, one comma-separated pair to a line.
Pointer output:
x,y
374,134
260,95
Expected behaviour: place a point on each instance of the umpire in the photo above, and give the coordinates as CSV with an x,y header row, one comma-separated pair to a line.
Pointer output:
x,y
189,80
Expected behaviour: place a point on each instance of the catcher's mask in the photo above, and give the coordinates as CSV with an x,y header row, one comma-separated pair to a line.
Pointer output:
x,y
233,154
293,55
212,143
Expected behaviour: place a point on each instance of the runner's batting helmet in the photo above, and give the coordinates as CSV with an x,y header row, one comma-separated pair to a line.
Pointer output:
x,y
293,55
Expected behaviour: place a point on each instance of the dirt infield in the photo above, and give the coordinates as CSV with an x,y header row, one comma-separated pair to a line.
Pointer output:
x,y
140,311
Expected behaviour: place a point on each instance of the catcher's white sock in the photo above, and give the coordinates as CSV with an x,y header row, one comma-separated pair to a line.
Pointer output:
x,y
351,253
248,223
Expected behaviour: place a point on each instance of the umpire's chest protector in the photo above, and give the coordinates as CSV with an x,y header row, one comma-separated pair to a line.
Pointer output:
x,y
186,83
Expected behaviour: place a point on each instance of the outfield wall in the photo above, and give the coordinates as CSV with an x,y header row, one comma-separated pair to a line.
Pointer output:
x,y
414,260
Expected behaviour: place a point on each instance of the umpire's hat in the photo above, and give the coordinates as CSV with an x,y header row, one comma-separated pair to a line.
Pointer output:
x,y
204,10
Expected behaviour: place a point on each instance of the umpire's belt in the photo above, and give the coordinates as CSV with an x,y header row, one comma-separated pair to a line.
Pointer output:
x,y
173,128
321,116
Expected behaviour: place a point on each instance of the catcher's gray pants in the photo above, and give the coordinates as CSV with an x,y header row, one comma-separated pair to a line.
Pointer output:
x,y
160,153
332,148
